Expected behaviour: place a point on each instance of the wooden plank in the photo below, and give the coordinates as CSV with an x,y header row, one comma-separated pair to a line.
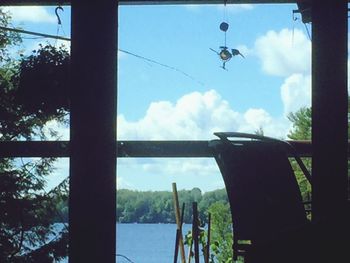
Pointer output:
x,y
125,149
179,222
129,149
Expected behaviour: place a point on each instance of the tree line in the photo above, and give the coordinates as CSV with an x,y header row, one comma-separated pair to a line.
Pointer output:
x,y
158,206
155,206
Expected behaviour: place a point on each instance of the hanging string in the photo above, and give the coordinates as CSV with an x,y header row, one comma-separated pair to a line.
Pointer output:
x,y
225,40
59,21
305,25
294,19
308,32
225,20
225,11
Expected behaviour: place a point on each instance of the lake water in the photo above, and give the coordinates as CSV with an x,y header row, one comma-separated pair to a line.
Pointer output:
x,y
146,243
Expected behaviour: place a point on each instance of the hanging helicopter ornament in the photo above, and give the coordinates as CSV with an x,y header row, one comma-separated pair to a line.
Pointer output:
x,y
224,54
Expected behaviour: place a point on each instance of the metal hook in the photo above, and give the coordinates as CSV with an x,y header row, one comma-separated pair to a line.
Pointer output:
x,y
57,15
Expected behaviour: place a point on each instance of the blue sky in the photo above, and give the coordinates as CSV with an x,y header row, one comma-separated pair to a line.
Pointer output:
x,y
156,103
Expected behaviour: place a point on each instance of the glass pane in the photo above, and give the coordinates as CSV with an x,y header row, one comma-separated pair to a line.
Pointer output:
x,y
34,74
34,209
183,76
166,54
145,196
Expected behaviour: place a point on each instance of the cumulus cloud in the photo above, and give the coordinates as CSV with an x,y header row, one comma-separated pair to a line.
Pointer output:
x,y
296,92
35,45
34,14
123,184
287,54
56,130
176,166
284,53
196,116
245,50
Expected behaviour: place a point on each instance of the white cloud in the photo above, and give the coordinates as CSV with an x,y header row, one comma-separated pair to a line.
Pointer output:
x,y
176,166
245,50
287,53
296,92
34,14
284,53
197,116
123,184
61,172
61,130
35,45
257,117
194,116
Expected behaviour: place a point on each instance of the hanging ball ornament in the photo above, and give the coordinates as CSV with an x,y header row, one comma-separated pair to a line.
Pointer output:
x,y
224,26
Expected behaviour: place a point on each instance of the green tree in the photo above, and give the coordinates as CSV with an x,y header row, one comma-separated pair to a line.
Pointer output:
x,y
301,124
7,38
301,130
27,211
221,232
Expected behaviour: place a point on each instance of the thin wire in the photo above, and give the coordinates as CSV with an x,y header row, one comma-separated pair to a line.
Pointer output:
x,y
121,50
33,37
34,33
120,255
163,65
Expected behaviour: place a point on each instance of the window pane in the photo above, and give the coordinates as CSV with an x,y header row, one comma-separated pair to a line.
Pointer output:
x,y
34,209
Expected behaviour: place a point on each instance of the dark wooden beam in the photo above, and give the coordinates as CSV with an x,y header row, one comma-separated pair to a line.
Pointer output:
x,y
153,2
329,130
128,149
329,106
92,196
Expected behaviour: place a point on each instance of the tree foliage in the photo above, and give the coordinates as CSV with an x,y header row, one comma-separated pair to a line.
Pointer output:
x,y
301,130
7,38
301,124
27,210
221,232
158,207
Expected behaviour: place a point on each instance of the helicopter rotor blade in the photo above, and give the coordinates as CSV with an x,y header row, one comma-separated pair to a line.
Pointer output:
x,y
215,51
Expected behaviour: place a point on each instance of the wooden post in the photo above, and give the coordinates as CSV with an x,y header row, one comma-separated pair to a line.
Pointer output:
x,y
195,232
329,108
329,126
92,197
178,222
208,240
